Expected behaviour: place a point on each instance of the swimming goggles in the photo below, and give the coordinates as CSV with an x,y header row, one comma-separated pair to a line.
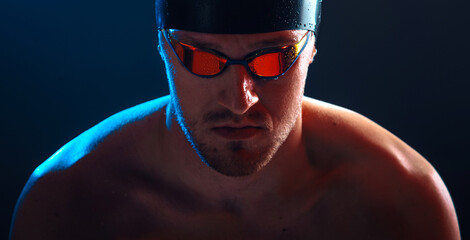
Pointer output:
x,y
266,63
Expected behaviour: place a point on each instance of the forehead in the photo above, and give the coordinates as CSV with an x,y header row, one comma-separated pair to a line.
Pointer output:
x,y
252,41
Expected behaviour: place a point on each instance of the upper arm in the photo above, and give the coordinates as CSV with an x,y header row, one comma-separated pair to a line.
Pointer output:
x,y
407,197
432,215
59,205
410,200
53,202
37,214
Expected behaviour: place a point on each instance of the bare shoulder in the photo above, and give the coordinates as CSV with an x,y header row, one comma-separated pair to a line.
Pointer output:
x,y
395,188
78,186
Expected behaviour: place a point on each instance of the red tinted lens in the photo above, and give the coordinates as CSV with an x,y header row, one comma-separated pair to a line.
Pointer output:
x,y
273,64
205,63
267,65
276,61
270,62
199,61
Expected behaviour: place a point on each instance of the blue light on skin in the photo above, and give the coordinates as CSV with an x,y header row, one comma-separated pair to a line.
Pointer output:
x,y
174,109
83,144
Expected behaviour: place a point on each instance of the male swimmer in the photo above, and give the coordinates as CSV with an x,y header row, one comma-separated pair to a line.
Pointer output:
x,y
236,151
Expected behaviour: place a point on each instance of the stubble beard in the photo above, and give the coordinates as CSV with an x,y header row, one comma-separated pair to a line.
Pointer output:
x,y
238,158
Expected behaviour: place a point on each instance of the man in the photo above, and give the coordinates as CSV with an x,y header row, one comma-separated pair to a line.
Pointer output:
x,y
236,151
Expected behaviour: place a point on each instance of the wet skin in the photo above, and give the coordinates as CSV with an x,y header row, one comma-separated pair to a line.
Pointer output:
x,y
327,172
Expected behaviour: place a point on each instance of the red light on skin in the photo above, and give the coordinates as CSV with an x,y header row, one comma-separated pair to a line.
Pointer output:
x,y
241,133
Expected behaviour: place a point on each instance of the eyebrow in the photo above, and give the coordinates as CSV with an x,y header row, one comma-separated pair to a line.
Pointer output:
x,y
196,43
267,43
277,42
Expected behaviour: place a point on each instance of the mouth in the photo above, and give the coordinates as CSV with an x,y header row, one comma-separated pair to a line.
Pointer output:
x,y
237,133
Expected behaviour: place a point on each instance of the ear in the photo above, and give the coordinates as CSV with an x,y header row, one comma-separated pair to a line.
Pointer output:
x,y
161,48
314,50
161,45
314,53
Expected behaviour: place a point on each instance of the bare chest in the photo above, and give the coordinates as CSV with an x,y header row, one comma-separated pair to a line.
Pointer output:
x,y
171,214
143,215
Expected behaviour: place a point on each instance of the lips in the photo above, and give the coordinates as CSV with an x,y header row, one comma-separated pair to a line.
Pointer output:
x,y
237,133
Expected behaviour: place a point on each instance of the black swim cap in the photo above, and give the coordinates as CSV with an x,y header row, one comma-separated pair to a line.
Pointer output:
x,y
238,16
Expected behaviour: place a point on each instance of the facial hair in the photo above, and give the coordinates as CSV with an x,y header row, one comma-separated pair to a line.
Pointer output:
x,y
237,158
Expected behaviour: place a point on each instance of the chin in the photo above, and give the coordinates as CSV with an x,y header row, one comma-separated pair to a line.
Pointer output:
x,y
237,166
234,159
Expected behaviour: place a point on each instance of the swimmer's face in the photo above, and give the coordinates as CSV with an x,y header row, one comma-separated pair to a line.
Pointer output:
x,y
237,121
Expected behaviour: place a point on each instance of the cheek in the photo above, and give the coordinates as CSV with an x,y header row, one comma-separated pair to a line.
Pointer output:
x,y
184,87
288,90
193,94
283,99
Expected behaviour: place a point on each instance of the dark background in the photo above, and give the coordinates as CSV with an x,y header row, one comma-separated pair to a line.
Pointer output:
x,y
67,65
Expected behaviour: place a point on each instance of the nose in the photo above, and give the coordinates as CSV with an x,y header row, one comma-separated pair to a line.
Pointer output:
x,y
238,93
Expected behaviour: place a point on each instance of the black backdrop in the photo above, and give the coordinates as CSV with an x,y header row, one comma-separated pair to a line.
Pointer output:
x,y
66,65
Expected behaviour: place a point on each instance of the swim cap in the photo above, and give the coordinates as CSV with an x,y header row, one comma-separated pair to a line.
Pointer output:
x,y
238,16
